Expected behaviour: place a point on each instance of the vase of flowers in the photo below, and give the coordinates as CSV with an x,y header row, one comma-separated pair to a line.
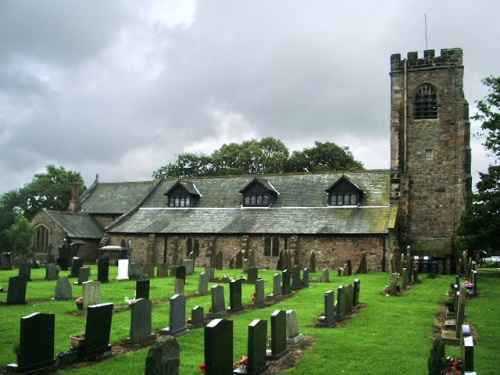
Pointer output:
x,y
79,303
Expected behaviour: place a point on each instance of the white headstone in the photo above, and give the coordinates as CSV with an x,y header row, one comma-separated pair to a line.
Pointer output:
x,y
122,269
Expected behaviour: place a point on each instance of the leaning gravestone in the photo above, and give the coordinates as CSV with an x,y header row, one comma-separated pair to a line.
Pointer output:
x,y
63,290
16,292
51,272
278,336
36,345
177,313
140,322
257,341
91,292
163,357
218,342
97,330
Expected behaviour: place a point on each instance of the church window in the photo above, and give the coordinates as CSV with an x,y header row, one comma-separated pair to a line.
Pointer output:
x,y
42,239
193,246
265,200
425,105
247,201
354,199
272,246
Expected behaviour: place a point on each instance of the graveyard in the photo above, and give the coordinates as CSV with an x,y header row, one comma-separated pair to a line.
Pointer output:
x,y
383,334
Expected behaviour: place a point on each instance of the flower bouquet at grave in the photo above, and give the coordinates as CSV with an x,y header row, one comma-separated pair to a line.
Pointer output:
x,y
241,364
452,366
202,367
79,303
254,298
129,301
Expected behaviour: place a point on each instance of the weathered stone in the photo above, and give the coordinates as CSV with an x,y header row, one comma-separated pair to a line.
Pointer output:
x,y
163,357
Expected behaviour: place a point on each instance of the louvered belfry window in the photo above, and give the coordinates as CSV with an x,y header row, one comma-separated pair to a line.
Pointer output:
x,y
426,105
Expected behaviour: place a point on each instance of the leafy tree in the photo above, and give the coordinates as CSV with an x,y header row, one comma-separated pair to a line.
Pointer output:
x,y
51,190
268,155
479,225
20,236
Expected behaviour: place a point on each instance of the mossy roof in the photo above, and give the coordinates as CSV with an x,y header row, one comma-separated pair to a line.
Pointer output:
x,y
76,225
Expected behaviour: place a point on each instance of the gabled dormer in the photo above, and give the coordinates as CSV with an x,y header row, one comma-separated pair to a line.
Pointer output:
x,y
183,194
344,192
259,193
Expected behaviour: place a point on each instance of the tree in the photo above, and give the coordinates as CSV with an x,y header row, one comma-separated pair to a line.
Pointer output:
x,y
51,190
268,155
20,236
479,225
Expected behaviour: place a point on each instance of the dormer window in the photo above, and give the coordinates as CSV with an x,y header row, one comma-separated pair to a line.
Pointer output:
x,y
183,194
259,193
425,105
344,192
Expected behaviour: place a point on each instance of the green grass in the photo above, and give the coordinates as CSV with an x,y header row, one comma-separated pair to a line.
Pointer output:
x,y
391,335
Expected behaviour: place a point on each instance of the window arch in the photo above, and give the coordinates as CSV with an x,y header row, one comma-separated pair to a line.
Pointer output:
x,y
42,239
425,105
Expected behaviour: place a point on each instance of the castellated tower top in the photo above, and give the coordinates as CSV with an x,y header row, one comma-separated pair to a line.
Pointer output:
x,y
449,57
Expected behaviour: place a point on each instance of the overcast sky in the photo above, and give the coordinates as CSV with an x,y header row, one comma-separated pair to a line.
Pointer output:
x,y
120,88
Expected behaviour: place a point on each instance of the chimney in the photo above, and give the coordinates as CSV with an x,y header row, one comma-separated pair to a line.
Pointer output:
x,y
74,204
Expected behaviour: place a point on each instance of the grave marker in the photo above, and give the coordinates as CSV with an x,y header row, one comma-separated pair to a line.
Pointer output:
x,y
163,357
16,292
286,287
63,290
122,269
91,292
6,261
357,289
142,287
218,303
177,316
293,336
259,298
256,349
235,297
25,271
140,322
97,330
103,270
148,269
296,282
75,266
252,275
328,317
51,272
197,316
203,284
278,336
341,303
83,275
218,342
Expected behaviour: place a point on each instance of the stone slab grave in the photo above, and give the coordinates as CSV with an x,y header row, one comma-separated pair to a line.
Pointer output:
x,y
451,332
140,322
327,319
97,331
259,299
256,349
252,275
148,270
83,275
325,276
296,281
276,294
340,310
293,336
218,344
235,297
36,346
91,293
25,271
177,315
218,307
163,357
63,290
16,292
135,270
103,270
279,347
162,270
203,284
197,316
306,276
286,286
122,269
189,265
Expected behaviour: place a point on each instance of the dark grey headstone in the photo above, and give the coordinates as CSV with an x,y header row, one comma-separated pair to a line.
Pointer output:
x,y
219,347
162,270
36,345
75,267
286,287
97,330
296,282
203,284
83,275
189,265
25,271
312,261
219,260
305,278
218,302
180,272
328,317
135,270
142,288
252,275
63,290
278,336
163,357
341,303
235,297
349,294
260,297
239,260
140,321
177,315
277,285
5,261
16,292
197,315
210,272
51,272
257,341
468,354
103,270
357,289
148,270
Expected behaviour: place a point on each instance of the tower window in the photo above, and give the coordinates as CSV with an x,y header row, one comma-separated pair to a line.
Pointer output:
x,y
425,105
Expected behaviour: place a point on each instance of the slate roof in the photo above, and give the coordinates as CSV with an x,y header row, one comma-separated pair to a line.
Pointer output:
x,y
76,225
299,209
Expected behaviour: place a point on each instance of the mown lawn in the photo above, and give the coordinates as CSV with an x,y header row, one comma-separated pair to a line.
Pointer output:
x,y
391,335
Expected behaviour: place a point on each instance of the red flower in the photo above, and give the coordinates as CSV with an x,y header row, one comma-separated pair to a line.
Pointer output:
x,y
202,367
244,361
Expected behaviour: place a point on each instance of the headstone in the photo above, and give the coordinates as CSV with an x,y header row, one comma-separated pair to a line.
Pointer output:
x,y
278,336
103,270
312,261
252,275
122,269
286,287
179,286
468,354
219,260
64,257
259,298
256,349
210,272
140,322
238,264
474,280
357,289
325,276
63,290
293,336
75,266
83,275
197,316
296,282
189,266
91,291
203,284
279,264
163,357
142,287
341,303
180,273
235,297
251,258
232,262
404,280
97,330
177,325
51,272
277,286
162,270
348,268
349,294
6,261
305,278
36,345
16,292
328,317
218,303
148,269
460,315
135,270
465,332
25,271
245,265
218,342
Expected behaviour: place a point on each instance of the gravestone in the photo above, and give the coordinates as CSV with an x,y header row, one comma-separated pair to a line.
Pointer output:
x,y
251,258
162,270
189,266
36,345
210,272
218,342
341,303
238,264
232,263
252,275
328,317
177,316
235,297
278,336
256,349
474,280
135,270
203,284
357,289
219,260
245,265
468,354
122,269
465,332
460,315
180,273
296,282
218,303
404,280
148,269
6,261
286,287
142,287
63,291
197,316
312,261
259,299
91,292
64,258
325,276
83,275
305,278
103,270
163,357
279,264
179,286
173,270
51,272
349,294
97,330
287,260
293,336
192,256
348,268
75,266
140,322
16,292
25,271
276,286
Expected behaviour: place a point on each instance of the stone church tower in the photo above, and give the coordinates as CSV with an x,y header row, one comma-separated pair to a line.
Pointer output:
x,y
430,152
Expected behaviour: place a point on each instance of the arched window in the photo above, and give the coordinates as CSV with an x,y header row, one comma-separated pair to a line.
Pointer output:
x,y
425,105
247,201
266,200
252,200
42,239
259,200
354,199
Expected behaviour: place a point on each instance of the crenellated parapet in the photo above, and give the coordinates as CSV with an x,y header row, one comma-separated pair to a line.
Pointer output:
x,y
449,58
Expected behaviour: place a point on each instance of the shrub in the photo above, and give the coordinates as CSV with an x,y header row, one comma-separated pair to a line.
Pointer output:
x,y
436,360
